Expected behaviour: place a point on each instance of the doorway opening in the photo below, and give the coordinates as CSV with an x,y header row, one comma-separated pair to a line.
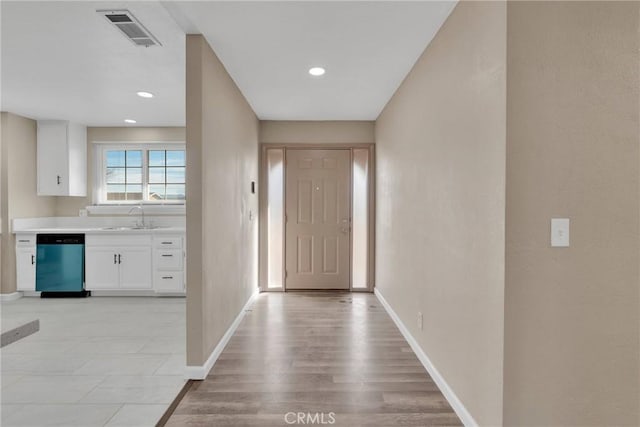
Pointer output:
x,y
317,217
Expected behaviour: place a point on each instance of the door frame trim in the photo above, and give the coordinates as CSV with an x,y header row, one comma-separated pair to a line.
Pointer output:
x,y
263,203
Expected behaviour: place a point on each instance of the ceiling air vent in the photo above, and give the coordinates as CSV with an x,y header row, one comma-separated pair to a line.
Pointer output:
x,y
132,29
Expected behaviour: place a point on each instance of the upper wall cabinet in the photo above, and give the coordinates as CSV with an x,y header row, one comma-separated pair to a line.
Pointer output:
x,y
62,158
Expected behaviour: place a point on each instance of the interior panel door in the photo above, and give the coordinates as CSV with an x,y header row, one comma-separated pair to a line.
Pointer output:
x,y
318,223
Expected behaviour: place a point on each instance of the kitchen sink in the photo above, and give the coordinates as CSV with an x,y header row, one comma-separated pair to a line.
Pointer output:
x,y
124,228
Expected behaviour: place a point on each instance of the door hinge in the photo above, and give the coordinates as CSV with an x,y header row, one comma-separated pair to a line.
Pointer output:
x,y
286,274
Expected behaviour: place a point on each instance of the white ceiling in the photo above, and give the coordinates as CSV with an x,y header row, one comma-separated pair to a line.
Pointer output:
x,y
61,60
367,49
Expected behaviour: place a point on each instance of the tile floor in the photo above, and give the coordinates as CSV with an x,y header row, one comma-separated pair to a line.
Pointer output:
x,y
99,361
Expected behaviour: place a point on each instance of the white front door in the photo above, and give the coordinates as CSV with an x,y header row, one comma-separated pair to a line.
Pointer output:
x,y
318,223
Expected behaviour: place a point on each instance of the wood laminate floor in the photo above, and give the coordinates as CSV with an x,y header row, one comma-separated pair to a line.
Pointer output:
x,y
330,358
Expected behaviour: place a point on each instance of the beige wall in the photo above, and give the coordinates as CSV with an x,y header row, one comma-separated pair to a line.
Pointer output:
x,y
440,145
571,314
320,132
18,187
70,206
222,159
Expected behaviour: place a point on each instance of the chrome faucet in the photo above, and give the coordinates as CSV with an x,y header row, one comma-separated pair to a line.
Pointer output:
x,y
143,224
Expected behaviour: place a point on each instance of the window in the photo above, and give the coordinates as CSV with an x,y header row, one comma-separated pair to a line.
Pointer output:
x,y
134,173
166,174
124,175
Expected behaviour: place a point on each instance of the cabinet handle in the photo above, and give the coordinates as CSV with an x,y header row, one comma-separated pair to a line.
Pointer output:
x,y
167,255
33,259
167,277
166,243
119,259
24,241
58,177
115,258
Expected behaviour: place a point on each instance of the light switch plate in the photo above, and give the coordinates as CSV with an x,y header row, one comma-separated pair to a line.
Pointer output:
x,y
560,232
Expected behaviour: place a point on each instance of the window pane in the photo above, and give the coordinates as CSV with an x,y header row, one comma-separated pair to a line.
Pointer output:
x,y
134,175
156,192
115,192
156,158
175,192
175,158
175,175
115,175
156,175
134,192
275,217
115,158
134,159
360,228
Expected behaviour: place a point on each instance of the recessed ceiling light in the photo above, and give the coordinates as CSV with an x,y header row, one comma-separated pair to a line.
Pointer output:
x,y
316,71
129,121
142,94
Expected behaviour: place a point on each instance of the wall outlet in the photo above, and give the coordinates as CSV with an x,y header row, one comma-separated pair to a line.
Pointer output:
x,y
83,212
420,320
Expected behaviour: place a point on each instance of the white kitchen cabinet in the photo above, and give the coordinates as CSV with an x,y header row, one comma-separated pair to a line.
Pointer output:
x,y
101,268
118,263
26,262
135,268
26,268
123,262
61,158
168,281
169,260
168,264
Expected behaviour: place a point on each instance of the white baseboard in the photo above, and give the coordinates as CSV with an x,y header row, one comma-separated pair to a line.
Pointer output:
x,y
10,297
31,293
201,372
125,293
446,390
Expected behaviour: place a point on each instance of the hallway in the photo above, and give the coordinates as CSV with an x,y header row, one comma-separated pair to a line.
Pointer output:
x,y
330,356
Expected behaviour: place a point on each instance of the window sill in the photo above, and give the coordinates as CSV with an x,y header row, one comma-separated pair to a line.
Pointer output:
x,y
149,209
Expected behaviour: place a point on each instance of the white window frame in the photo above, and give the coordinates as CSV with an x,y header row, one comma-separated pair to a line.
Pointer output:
x,y
100,167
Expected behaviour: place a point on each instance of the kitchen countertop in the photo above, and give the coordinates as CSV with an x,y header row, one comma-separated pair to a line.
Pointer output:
x,y
102,230
98,225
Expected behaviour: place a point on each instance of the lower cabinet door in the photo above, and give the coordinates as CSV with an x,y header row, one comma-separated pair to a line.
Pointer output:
x,y
101,268
169,281
26,269
169,260
135,268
